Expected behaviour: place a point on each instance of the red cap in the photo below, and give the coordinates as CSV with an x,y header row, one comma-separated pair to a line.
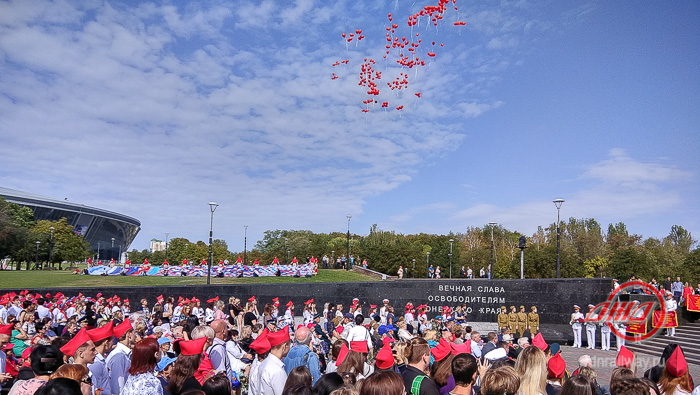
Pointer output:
x,y
442,350
339,328
373,306
261,345
556,366
676,364
192,347
279,337
274,300
80,338
212,300
385,359
122,328
539,342
387,340
344,350
6,329
104,332
290,303
98,294
251,299
461,348
624,358
359,346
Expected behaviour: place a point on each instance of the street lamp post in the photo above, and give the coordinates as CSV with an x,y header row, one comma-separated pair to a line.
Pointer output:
x,y
51,248
521,244
245,244
558,203
37,255
333,259
166,247
98,253
451,241
347,256
492,224
212,207
427,262
414,268
111,251
286,251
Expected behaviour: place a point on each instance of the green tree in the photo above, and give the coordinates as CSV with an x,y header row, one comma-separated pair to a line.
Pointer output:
x,y
67,246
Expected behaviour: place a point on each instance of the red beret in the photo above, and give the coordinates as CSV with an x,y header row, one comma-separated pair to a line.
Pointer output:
x,y
442,350
122,328
624,358
72,346
6,329
104,332
279,337
539,342
676,364
261,345
385,359
192,347
461,348
556,366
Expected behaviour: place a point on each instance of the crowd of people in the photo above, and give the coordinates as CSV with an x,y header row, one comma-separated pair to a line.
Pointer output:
x,y
55,344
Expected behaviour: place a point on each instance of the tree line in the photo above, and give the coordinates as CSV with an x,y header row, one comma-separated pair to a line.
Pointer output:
x,y
25,240
586,249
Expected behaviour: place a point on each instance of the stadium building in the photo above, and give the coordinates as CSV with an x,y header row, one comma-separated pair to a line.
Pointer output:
x,y
108,233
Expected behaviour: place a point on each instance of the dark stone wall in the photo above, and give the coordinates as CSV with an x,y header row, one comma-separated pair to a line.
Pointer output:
x,y
554,298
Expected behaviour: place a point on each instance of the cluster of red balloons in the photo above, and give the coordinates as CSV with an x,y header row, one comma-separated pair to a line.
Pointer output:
x,y
405,48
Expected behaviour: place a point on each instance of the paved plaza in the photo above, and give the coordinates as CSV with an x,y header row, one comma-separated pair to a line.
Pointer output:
x,y
604,362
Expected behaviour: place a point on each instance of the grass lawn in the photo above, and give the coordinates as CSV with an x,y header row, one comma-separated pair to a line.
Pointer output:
x,y
64,279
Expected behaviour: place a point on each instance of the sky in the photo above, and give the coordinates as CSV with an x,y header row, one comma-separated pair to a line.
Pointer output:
x,y
154,109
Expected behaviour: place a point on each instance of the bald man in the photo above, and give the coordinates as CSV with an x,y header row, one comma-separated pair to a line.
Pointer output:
x,y
217,351
302,354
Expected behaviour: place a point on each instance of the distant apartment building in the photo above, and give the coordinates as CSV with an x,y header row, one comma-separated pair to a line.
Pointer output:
x,y
157,245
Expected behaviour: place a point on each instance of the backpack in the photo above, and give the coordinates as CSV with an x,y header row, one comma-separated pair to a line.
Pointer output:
x,y
415,385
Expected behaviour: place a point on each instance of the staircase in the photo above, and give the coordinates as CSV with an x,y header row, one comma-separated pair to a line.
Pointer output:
x,y
687,336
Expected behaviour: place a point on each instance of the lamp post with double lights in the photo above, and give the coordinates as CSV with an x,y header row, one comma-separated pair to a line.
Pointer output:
x,y
427,262
212,207
245,244
51,248
490,271
36,261
451,241
558,203
347,257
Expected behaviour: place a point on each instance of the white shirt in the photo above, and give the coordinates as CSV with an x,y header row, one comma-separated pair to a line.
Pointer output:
x,y
100,376
671,305
3,359
272,376
254,385
118,362
43,312
574,319
358,333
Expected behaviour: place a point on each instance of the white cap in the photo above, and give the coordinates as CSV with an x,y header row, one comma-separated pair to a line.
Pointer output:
x,y
591,305
577,306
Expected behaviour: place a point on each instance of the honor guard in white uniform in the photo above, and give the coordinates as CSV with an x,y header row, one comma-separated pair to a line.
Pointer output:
x,y
671,305
605,336
576,323
591,327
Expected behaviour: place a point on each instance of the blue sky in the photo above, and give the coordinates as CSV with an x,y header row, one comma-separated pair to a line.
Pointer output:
x,y
155,109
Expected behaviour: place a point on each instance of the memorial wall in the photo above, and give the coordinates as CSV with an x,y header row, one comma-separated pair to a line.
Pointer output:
x,y
554,298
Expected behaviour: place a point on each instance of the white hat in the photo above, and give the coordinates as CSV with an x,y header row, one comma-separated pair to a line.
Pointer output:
x,y
577,306
498,353
385,301
507,338
591,305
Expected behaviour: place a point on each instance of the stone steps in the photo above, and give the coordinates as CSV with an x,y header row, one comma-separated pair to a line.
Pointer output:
x,y
687,336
